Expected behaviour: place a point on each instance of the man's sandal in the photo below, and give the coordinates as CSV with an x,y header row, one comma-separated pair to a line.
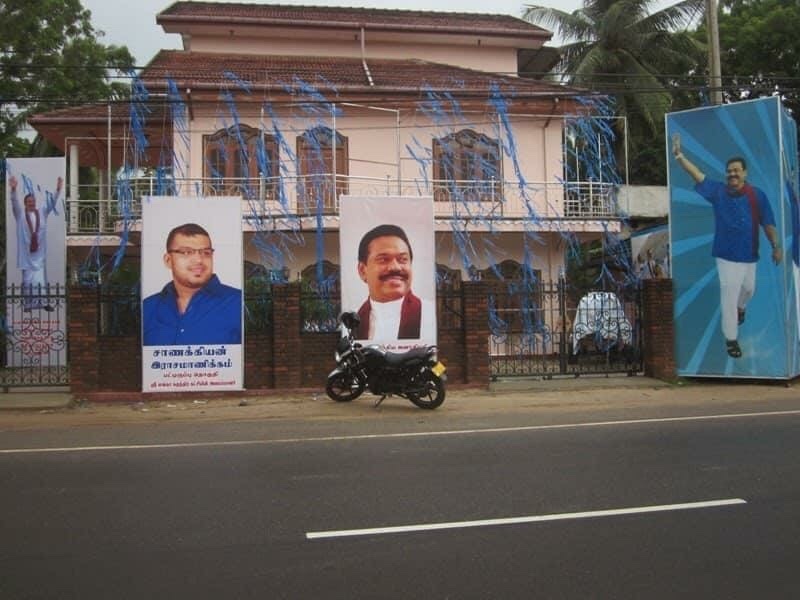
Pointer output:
x,y
733,348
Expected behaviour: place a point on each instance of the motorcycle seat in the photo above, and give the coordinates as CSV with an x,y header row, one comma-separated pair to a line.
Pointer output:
x,y
398,358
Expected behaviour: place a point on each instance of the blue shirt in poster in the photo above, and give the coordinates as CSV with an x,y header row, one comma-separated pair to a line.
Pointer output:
x,y
214,316
734,229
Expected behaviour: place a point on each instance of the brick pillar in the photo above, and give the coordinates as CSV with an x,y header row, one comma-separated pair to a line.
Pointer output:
x,y
287,353
258,360
476,332
658,329
82,335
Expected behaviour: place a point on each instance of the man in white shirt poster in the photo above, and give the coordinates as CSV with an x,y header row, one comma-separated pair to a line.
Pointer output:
x,y
392,311
393,260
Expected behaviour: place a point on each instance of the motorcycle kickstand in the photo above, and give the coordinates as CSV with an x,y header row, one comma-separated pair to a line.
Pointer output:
x,y
379,400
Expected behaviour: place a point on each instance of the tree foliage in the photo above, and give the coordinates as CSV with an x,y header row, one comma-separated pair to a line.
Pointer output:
x,y
760,49
50,56
620,48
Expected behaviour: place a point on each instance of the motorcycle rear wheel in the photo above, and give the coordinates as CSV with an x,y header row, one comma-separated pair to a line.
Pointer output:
x,y
343,388
433,394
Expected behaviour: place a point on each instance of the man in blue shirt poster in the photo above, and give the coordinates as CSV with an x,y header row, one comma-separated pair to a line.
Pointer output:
x,y
739,209
195,307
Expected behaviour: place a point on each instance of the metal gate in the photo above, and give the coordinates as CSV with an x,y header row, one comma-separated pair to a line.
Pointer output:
x,y
546,329
34,336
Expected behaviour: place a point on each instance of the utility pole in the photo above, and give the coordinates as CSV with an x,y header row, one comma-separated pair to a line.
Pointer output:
x,y
715,71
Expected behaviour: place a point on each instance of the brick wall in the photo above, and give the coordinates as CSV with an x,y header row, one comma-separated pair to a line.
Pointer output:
x,y
82,336
120,363
287,358
286,336
317,354
476,333
658,329
450,347
258,356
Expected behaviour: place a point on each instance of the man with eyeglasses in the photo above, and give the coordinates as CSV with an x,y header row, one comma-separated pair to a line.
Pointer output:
x,y
195,307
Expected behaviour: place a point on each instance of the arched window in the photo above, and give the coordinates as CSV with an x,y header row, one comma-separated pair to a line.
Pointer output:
x,y
316,164
467,166
240,161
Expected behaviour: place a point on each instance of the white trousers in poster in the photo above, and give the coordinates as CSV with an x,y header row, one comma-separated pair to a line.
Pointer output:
x,y
737,283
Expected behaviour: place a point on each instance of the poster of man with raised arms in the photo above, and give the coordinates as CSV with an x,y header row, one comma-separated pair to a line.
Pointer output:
x,y
35,317
728,182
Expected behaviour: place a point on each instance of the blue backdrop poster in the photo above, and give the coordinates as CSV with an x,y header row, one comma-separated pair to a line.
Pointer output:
x,y
791,198
732,170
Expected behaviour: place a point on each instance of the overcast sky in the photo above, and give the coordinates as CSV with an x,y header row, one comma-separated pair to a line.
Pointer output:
x,y
132,23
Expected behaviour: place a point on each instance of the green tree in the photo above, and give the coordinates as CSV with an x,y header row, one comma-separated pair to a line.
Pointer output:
x,y
619,48
760,49
50,56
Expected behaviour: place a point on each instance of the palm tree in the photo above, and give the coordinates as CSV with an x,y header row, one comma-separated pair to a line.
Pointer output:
x,y
619,48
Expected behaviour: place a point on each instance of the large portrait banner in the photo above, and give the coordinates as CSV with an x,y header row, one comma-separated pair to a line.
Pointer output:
x,y
387,251
731,172
35,318
192,310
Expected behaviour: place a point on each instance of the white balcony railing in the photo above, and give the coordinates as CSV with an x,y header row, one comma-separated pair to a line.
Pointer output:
x,y
95,211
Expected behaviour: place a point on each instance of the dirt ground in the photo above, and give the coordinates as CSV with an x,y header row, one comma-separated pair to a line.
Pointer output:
x,y
625,395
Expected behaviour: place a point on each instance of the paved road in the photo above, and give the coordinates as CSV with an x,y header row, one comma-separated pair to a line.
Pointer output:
x,y
216,509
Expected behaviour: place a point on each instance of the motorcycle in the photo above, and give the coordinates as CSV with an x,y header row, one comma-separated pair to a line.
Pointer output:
x,y
416,375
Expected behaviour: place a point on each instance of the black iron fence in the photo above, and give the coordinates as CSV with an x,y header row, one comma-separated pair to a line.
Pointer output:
x,y
541,329
449,303
120,310
34,336
320,305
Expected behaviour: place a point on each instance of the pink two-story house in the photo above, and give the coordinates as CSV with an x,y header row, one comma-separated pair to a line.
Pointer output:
x,y
289,107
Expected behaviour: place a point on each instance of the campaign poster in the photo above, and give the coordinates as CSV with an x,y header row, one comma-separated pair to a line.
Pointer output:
x,y
730,174
388,269
36,314
192,310
791,204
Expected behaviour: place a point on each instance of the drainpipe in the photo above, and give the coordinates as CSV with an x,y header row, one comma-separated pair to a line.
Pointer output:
x,y
73,187
333,159
364,60
397,137
544,153
102,216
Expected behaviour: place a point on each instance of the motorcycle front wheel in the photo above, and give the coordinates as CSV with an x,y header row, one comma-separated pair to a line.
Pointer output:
x,y
433,394
343,388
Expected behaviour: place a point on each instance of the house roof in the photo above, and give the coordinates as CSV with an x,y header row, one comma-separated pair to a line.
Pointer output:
x,y
334,77
288,79
188,13
100,113
90,126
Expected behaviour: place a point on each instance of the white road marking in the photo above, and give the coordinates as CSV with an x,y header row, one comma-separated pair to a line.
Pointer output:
x,y
377,436
316,535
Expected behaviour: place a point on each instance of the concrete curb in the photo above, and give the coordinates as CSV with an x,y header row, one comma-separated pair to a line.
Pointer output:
x,y
601,386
